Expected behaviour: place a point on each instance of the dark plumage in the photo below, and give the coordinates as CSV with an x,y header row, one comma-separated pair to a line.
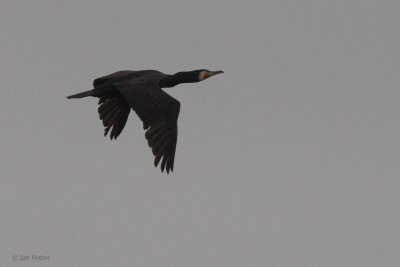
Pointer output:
x,y
141,91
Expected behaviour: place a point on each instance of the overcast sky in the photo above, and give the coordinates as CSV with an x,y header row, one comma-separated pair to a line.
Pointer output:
x,y
289,158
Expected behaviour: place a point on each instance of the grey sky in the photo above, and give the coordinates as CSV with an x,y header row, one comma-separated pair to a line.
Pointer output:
x,y
290,158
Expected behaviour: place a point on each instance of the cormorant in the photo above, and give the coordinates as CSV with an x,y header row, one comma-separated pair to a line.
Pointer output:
x,y
141,90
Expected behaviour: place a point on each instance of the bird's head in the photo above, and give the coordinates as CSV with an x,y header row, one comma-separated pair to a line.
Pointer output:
x,y
204,74
194,76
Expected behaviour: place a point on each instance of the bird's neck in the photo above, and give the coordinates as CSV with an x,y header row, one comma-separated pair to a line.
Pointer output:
x,y
180,77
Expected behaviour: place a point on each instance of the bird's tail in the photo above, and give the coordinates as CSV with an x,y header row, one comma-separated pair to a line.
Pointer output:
x,y
84,94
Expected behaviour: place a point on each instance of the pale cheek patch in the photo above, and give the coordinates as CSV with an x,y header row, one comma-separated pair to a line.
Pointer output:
x,y
202,75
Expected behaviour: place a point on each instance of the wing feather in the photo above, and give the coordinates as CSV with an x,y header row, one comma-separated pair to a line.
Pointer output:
x,y
114,112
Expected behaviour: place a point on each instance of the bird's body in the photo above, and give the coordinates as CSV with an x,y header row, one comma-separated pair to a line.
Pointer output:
x,y
141,90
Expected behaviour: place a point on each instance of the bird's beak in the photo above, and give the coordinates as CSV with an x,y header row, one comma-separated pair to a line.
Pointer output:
x,y
212,73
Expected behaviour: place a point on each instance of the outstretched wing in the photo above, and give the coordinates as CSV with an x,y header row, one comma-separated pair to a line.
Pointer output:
x,y
114,112
113,109
159,113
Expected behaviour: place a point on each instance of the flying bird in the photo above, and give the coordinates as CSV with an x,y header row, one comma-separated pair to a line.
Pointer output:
x,y
122,91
